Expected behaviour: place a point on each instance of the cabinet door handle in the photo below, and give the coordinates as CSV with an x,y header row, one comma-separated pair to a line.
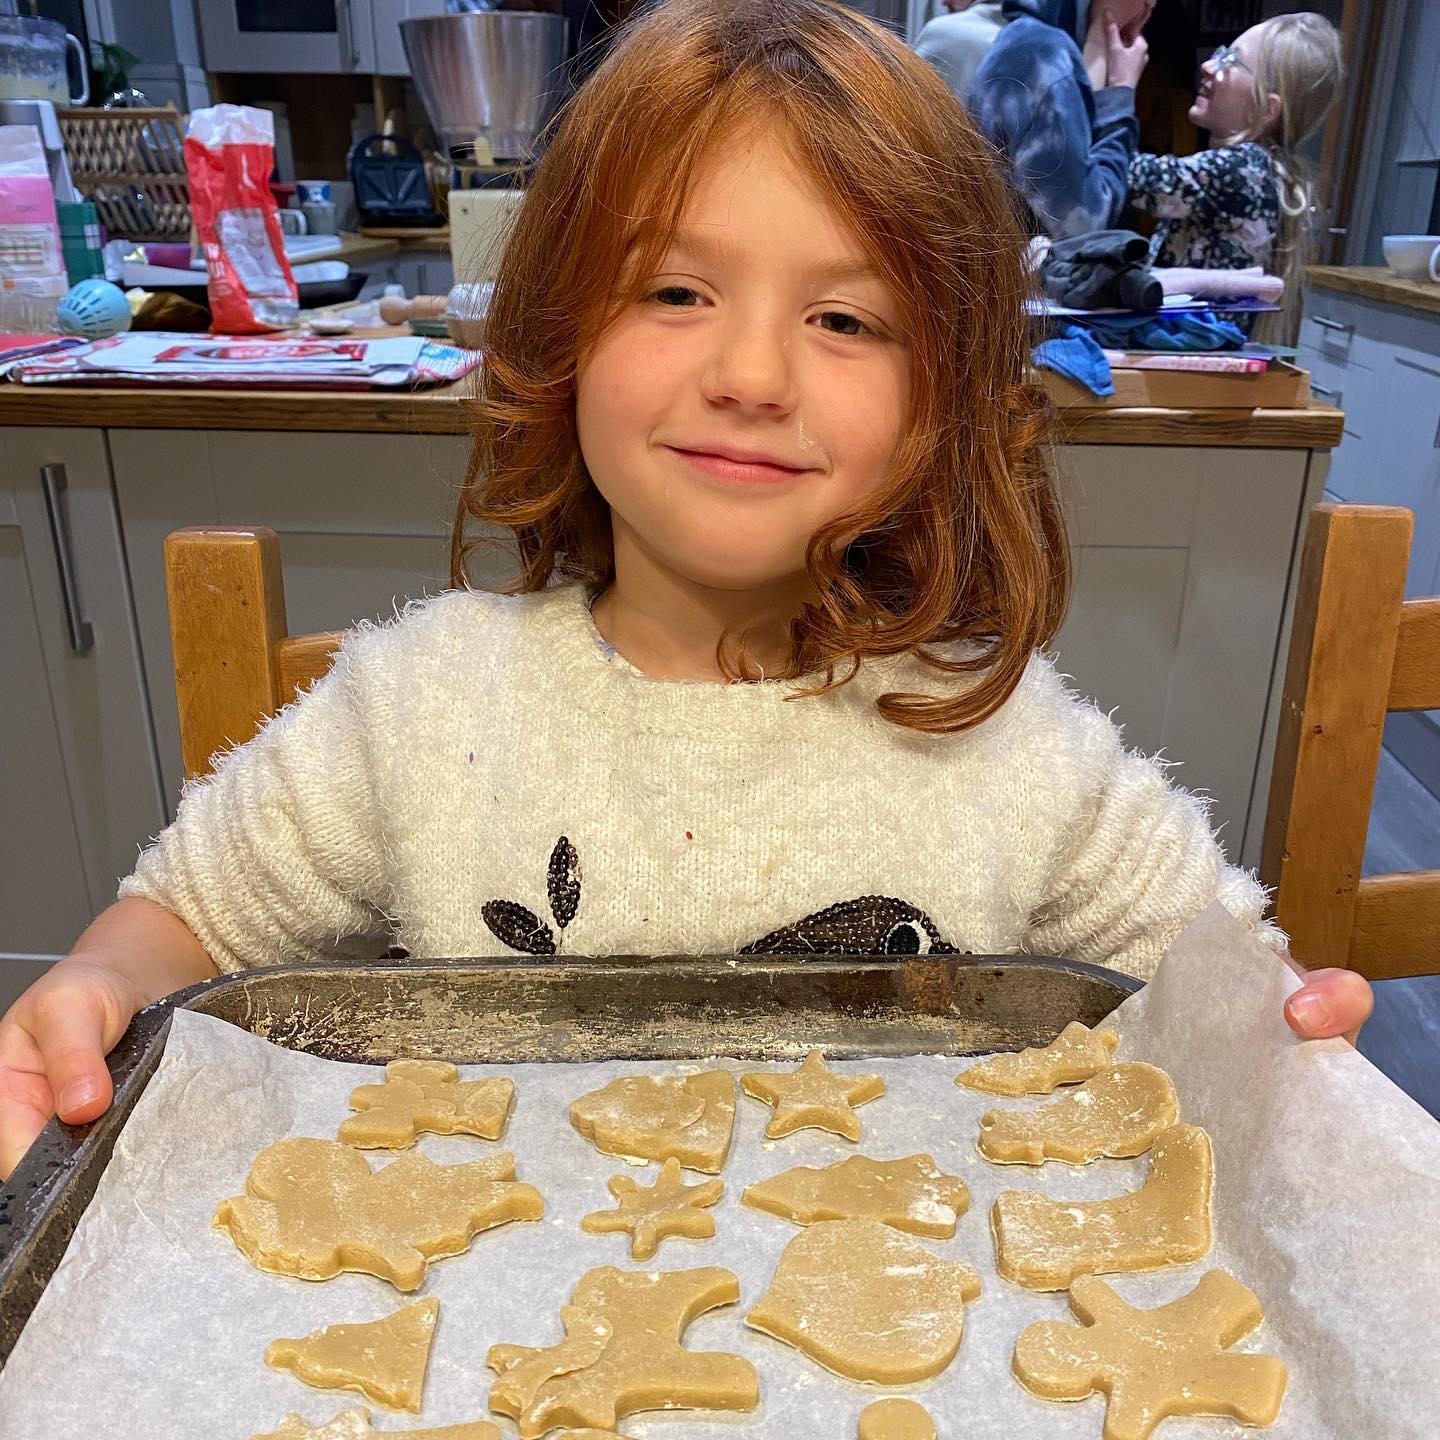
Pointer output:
x,y
349,40
1325,324
52,481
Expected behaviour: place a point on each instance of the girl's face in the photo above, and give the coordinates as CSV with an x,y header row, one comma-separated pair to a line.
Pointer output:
x,y
758,391
1225,103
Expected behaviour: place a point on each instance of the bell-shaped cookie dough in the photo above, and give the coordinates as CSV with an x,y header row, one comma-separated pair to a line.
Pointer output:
x,y
912,1194
622,1354
1075,1054
812,1097
657,1117
354,1424
867,1302
896,1420
651,1213
1044,1244
313,1208
425,1095
1120,1112
1153,1363
384,1359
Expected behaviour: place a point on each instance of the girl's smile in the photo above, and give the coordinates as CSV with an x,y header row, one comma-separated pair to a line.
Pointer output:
x,y
734,465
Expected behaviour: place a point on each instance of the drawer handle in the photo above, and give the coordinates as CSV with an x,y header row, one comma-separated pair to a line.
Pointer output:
x,y
1324,390
52,480
1325,324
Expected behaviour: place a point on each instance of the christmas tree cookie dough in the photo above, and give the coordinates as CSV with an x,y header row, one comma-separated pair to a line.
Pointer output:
x,y
912,1194
1120,1112
1044,1244
1154,1363
1076,1054
355,1424
812,1097
384,1359
867,1302
425,1095
659,1117
896,1420
622,1354
651,1213
313,1208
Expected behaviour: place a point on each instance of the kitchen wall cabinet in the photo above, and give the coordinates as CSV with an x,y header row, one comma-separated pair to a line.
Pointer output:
x,y
80,787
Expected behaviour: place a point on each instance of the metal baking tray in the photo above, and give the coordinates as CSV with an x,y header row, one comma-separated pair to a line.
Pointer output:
x,y
568,1009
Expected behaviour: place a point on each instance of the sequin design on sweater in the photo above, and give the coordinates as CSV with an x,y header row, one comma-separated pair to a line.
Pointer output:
x,y
521,928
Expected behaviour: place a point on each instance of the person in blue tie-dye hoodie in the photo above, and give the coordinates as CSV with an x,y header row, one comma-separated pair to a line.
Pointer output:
x,y
1056,95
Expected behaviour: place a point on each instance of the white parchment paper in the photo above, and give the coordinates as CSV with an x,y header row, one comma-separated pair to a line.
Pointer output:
x,y
1327,1204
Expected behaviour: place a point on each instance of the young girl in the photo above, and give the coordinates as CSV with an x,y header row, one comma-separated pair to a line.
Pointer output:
x,y
753,396
1247,200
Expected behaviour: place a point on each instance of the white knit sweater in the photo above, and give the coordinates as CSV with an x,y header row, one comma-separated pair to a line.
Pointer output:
x,y
480,777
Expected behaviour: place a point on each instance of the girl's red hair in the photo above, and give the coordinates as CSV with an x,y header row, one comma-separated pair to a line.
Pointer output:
x,y
961,558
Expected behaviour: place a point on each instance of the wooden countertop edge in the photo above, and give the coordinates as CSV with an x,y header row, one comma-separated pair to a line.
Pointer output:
x,y
438,412
1375,282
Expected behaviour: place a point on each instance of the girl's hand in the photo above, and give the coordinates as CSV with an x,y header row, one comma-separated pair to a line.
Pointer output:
x,y
1330,1002
53,1043
1125,55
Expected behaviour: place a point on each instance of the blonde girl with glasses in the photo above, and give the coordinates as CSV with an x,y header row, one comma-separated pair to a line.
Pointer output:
x,y
1248,200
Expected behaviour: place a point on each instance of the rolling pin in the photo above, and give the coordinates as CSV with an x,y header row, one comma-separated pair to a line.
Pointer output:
x,y
396,309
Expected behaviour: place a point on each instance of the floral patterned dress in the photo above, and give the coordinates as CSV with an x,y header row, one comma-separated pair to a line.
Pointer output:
x,y
1218,209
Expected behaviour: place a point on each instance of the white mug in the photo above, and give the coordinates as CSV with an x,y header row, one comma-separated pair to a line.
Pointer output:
x,y
292,222
1413,257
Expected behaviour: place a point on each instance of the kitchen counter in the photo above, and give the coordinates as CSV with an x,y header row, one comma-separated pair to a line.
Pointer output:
x,y
1377,282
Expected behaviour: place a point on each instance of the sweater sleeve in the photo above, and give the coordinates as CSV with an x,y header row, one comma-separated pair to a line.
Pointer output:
x,y
1208,184
277,854
1135,868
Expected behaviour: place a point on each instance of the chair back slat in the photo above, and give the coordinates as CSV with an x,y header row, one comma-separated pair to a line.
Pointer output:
x,y
304,659
1397,925
1415,683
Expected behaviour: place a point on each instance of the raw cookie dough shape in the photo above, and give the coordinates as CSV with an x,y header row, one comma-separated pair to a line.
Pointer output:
x,y
1154,1363
812,1097
1120,1112
1075,1054
1044,1244
896,1420
354,1424
313,1208
867,1302
622,1353
912,1194
657,1117
384,1359
651,1213
425,1095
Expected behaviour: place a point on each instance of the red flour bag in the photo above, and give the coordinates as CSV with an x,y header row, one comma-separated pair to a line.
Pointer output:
x,y
229,152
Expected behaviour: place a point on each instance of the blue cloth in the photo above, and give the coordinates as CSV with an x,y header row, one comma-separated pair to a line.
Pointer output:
x,y
1068,145
1075,355
1190,330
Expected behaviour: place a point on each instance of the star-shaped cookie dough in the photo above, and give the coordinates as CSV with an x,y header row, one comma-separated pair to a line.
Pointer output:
x,y
650,1213
812,1097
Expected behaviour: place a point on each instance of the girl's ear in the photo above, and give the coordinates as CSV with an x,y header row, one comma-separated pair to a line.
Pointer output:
x,y
1272,111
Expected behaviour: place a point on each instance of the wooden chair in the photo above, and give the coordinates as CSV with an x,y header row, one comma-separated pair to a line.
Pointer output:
x,y
1357,650
234,662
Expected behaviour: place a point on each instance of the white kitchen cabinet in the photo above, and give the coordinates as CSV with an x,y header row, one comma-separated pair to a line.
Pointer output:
x,y
389,46
79,778
294,36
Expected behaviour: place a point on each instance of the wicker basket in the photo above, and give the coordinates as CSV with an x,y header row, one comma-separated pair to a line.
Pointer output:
x,y
131,163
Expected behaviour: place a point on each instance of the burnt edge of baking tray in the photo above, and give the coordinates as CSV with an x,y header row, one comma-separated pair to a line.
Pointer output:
x,y
43,1200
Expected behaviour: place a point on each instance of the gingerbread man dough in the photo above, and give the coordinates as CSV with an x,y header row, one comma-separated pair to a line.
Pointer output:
x,y
1154,1363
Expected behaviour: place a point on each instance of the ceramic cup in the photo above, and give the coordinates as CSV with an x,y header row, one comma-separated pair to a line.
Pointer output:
x,y
1413,257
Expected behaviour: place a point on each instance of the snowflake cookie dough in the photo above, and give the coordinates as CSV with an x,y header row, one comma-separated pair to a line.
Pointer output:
x,y
867,1302
1044,1244
425,1095
622,1353
812,1097
651,1213
1120,1112
1154,1363
895,1420
355,1424
1076,1054
313,1208
912,1194
659,1117
384,1359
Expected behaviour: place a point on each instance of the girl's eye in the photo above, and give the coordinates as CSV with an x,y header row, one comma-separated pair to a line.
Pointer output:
x,y
846,321
674,296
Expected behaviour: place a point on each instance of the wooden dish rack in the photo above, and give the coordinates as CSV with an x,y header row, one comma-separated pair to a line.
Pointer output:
x,y
131,164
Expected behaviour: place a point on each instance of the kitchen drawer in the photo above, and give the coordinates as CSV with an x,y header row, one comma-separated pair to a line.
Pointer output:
x,y
1345,385
1336,327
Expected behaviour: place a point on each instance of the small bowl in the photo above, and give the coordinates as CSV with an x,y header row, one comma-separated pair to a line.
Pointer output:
x,y
1413,257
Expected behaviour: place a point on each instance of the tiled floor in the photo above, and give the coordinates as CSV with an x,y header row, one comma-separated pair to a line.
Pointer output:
x,y
1403,1036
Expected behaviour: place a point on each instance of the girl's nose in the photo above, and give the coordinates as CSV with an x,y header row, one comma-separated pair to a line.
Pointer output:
x,y
750,367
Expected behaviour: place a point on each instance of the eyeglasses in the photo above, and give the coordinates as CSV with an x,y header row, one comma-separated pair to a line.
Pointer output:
x,y
1224,57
